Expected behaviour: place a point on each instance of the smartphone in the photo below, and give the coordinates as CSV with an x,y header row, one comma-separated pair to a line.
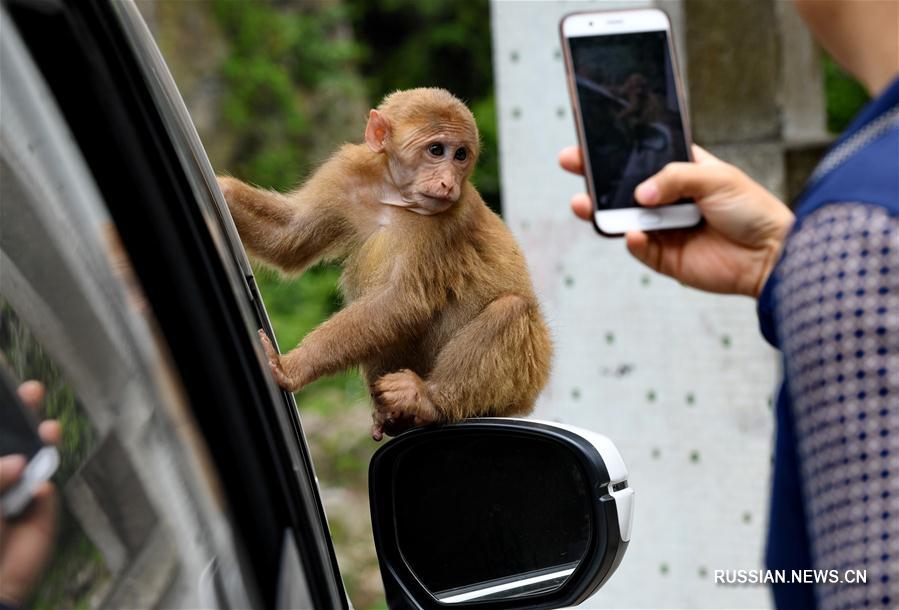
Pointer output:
x,y
18,434
628,105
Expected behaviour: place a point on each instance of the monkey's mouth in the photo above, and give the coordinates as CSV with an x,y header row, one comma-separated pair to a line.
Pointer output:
x,y
429,204
440,199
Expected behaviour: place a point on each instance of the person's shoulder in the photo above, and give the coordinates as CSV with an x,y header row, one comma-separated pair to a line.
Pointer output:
x,y
862,169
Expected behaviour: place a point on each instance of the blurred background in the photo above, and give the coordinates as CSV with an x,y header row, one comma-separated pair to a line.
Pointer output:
x,y
274,87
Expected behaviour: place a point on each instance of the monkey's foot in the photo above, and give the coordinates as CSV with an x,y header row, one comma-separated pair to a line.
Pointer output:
x,y
274,363
402,401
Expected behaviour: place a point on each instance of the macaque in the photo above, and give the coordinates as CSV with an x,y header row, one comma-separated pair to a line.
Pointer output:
x,y
440,313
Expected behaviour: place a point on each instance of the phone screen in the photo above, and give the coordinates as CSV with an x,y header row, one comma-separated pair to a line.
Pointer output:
x,y
18,431
629,104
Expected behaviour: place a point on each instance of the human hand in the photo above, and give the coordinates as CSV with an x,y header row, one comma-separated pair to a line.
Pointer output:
x,y
25,542
732,252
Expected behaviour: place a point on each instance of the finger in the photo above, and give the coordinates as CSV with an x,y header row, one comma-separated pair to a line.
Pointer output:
x,y
638,245
582,206
44,505
647,248
270,351
377,432
50,432
28,544
264,338
32,393
679,180
11,468
571,159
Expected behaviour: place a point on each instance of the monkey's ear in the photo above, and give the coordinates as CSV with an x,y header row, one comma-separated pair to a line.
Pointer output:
x,y
376,131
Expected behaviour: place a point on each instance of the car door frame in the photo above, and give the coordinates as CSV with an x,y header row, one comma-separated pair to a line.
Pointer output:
x,y
131,125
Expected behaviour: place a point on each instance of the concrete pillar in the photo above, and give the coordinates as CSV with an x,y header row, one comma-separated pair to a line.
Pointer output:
x,y
733,59
680,380
756,89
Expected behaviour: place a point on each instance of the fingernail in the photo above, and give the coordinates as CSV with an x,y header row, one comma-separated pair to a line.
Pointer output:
x,y
14,462
647,192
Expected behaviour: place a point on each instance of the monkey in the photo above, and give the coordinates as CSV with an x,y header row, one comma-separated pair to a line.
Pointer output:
x,y
440,314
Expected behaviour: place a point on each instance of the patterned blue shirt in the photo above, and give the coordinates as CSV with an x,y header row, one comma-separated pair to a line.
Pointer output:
x,y
832,307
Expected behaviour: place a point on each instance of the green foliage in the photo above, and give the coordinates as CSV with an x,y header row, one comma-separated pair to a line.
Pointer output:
x,y
486,173
845,96
284,64
415,43
295,308
278,60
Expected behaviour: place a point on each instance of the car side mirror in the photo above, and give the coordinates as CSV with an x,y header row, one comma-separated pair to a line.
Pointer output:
x,y
498,513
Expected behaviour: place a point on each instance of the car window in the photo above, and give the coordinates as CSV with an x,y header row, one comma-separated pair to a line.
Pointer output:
x,y
142,521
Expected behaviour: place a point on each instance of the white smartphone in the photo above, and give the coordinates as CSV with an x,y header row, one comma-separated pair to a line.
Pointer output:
x,y
18,435
629,110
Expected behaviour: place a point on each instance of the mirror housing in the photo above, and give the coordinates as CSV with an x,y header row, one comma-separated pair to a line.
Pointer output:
x,y
453,506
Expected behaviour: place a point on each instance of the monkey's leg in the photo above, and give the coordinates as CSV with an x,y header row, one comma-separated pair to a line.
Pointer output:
x,y
495,365
287,232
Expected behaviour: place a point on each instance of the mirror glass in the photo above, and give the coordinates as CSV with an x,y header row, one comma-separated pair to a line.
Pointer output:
x,y
489,516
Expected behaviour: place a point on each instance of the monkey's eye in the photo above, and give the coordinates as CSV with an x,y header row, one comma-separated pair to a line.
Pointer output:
x,y
436,149
461,154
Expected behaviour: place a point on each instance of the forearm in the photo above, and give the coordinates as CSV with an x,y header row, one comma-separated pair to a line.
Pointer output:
x,y
291,231
352,336
262,217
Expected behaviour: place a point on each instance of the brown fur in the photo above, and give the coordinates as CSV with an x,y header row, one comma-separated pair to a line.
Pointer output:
x,y
441,315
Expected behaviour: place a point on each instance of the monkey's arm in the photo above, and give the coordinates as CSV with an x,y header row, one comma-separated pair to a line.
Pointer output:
x,y
287,231
349,337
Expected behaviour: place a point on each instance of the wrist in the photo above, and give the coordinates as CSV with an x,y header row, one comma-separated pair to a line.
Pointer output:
x,y
295,366
772,248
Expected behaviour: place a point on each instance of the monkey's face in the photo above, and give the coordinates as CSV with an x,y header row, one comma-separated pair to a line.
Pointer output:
x,y
432,162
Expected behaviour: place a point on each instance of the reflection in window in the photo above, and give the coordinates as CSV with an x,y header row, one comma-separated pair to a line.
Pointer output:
x,y
143,523
107,536
78,572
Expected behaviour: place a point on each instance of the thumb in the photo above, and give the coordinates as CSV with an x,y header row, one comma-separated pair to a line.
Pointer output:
x,y
681,180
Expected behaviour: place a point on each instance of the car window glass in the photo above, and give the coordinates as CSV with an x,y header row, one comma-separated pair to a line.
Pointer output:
x,y
142,519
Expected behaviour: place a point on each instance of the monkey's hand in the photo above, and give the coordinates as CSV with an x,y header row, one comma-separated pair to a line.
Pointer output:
x,y
274,362
402,401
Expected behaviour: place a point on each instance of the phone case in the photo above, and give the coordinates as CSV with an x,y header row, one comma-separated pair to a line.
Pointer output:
x,y
575,108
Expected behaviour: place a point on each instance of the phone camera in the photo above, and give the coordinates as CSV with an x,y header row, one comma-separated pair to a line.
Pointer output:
x,y
591,24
